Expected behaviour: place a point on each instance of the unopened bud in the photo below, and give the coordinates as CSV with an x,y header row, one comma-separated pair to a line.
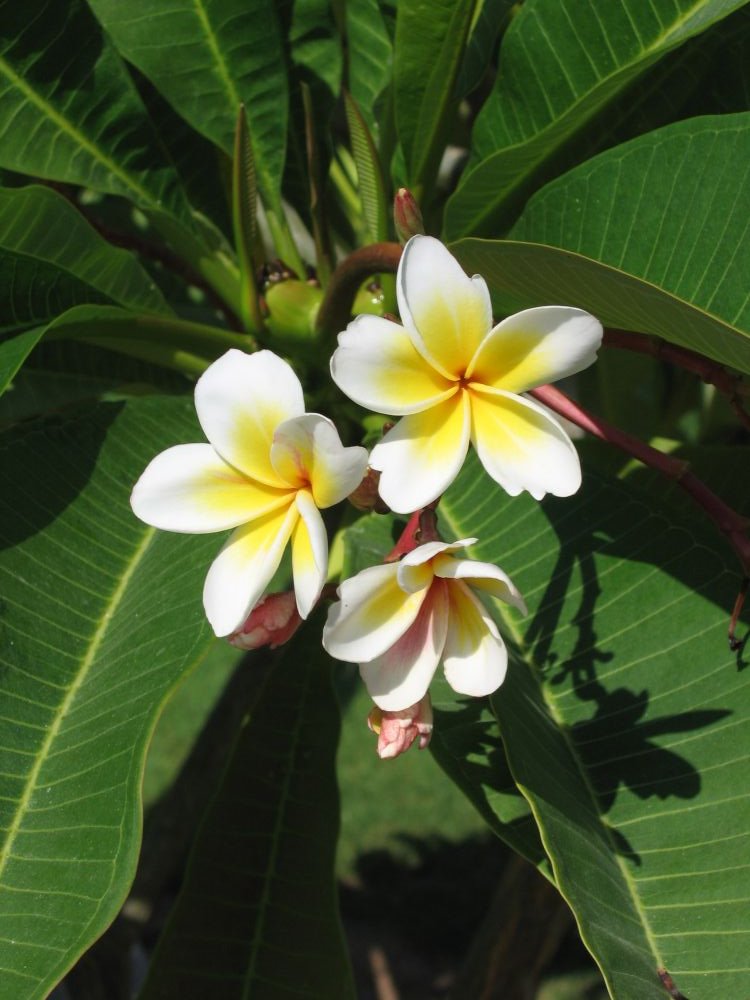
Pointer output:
x,y
272,622
366,496
396,731
406,216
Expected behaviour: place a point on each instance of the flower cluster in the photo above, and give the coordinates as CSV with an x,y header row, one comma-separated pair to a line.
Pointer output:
x,y
268,469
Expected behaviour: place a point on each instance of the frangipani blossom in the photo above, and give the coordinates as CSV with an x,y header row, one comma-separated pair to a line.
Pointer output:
x,y
399,620
267,469
454,378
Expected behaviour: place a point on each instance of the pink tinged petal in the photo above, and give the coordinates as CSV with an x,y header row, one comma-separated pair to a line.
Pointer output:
x,y
521,446
422,455
397,731
241,399
447,313
272,622
475,657
192,489
487,577
378,367
371,615
244,567
415,570
400,676
307,453
309,554
537,346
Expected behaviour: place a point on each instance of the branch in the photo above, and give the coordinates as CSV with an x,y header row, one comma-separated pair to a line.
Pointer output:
x,y
336,308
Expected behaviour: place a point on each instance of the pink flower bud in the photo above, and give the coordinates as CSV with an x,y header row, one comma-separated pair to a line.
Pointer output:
x,y
397,731
407,216
272,622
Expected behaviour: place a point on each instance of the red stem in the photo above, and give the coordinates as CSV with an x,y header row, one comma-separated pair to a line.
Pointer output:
x,y
727,520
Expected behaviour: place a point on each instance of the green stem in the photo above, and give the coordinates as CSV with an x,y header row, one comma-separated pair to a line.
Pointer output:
x,y
283,242
158,354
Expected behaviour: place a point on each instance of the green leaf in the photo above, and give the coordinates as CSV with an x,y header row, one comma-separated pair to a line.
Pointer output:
x,y
54,259
522,275
370,57
370,183
430,41
562,65
69,111
101,617
259,889
244,220
13,353
626,722
490,20
207,57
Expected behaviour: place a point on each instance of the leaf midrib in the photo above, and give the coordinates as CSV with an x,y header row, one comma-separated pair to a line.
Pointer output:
x,y
219,60
66,126
86,664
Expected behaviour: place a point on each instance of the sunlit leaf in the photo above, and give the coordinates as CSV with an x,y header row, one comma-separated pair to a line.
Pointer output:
x,y
626,723
562,64
101,617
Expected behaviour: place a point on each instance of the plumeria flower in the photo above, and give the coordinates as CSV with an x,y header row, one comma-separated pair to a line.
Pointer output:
x,y
399,620
266,471
454,378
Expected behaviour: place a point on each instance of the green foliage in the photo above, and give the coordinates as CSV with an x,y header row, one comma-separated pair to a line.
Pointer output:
x,y
610,143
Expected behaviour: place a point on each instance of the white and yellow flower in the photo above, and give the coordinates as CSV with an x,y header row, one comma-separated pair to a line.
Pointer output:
x,y
266,471
454,378
399,620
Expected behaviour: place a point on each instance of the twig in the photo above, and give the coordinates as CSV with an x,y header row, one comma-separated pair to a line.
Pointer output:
x,y
336,308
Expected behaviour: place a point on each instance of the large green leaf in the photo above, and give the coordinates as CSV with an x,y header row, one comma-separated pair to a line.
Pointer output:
x,y
430,42
101,616
259,891
69,111
522,275
207,57
626,722
562,64
51,259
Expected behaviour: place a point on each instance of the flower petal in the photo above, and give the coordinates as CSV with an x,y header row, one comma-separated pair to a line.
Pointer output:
x,y
244,567
309,554
413,571
475,657
447,313
307,453
190,488
537,346
480,576
371,615
241,399
521,446
422,455
401,676
378,367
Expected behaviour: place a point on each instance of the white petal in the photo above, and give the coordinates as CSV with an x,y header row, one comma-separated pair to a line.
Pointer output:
x,y
537,346
371,615
309,554
521,446
447,313
190,488
422,455
481,576
378,367
307,453
244,567
413,571
475,657
241,399
400,677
